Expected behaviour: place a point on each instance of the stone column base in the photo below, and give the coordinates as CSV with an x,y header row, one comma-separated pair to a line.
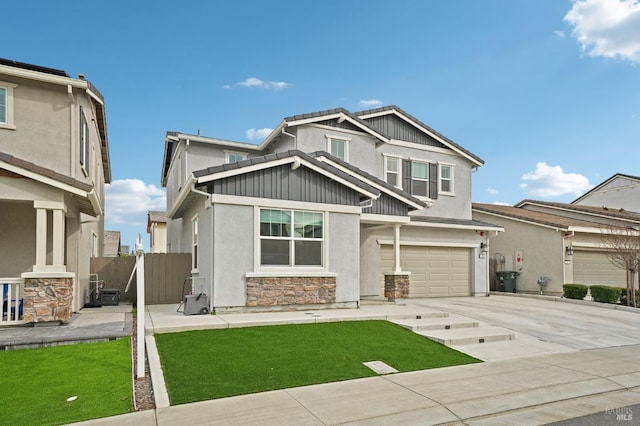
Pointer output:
x,y
48,299
396,286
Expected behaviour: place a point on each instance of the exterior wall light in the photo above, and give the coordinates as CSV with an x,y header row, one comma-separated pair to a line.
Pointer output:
x,y
569,250
484,249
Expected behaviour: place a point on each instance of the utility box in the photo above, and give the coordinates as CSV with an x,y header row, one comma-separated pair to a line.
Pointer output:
x,y
110,297
196,304
507,281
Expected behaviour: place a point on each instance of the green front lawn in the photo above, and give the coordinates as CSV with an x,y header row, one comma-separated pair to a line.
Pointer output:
x,y
208,364
36,383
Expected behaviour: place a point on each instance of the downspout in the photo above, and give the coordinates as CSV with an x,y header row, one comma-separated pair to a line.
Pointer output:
x,y
72,128
208,195
291,135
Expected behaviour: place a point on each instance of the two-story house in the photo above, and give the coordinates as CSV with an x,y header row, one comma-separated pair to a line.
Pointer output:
x,y
54,163
331,207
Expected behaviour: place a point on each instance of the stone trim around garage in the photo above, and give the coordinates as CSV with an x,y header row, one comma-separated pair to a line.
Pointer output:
x,y
288,291
396,286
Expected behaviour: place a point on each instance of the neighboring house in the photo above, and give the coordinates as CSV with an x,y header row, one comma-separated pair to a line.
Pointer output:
x,y
332,206
563,242
618,192
54,163
157,230
112,246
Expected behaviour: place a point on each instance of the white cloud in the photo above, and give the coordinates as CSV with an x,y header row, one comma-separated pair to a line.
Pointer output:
x,y
253,82
559,34
258,134
368,103
492,191
128,201
551,181
607,28
500,203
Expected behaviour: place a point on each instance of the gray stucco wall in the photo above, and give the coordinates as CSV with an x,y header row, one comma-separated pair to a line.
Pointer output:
x,y
18,247
344,255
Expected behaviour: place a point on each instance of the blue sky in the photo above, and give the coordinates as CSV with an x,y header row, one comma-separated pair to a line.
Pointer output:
x,y
545,91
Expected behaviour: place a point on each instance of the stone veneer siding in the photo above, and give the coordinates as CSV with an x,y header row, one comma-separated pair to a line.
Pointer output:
x,y
279,291
396,286
47,299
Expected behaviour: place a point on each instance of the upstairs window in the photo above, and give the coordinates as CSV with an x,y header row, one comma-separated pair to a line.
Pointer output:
x,y
338,147
84,142
291,238
234,157
6,105
419,179
392,171
446,179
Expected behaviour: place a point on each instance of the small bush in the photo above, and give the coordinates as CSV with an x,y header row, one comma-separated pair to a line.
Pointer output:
x,y
575,291
605,294
623,298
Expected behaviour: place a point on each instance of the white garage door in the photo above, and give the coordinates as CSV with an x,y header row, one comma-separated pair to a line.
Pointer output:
x,y
593,268
435,271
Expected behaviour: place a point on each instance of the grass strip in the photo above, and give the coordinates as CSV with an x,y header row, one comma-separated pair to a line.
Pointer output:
x,y
36,383
208,364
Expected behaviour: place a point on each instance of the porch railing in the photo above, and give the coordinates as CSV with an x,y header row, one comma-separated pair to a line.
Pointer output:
x,y
12,300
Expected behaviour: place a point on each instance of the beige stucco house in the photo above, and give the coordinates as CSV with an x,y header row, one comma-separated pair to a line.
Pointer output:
x,y
562,242
54,163
620,191
157,230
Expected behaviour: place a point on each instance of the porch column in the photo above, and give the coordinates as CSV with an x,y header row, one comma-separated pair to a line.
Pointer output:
x,y
396,249
58,211
58,238
41,238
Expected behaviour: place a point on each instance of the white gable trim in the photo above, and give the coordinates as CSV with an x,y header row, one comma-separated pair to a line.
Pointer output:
x,y
282,204
339,115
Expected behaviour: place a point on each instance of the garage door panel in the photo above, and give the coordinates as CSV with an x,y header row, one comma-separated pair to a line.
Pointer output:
x,y
594,268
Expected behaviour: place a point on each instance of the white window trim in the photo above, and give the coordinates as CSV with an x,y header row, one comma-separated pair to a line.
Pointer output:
x,y
85,144
227,154
195,245
451,179
9,124
338,138
292,270
399,172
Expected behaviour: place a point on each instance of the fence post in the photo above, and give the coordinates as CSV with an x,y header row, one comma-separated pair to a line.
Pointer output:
x,y
140,370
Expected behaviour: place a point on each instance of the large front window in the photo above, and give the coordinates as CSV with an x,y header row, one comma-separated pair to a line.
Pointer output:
x,y
291,238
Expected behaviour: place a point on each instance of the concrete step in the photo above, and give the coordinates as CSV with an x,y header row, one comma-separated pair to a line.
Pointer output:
x,y
465,336
420,316
434,323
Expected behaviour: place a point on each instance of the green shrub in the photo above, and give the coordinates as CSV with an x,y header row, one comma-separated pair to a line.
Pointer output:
x,y
575,291
623,298
605,294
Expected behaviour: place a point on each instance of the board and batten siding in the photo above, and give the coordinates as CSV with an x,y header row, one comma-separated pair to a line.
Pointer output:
x,y
387,205
398,129
283,183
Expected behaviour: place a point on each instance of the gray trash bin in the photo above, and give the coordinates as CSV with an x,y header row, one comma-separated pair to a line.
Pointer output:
x,y
196,304
507,281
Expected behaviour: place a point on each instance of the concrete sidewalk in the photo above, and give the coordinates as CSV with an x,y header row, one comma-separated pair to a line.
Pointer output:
x,y
560,366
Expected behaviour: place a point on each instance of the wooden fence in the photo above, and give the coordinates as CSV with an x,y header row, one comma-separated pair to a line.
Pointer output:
x,y
164,276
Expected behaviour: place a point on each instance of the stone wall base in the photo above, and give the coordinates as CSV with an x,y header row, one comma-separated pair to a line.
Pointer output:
x,y
396,286
48,299
284,291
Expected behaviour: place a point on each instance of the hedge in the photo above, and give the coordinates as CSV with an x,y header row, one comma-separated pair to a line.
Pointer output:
x,y
623,298
606,294
575,291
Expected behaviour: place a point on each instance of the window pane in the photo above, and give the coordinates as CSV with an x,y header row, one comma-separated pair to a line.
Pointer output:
x,y
445,186
337,148
308,253
392,164
274,252
419,187
419,170
275,223
3,105
445,172
392,179
308,225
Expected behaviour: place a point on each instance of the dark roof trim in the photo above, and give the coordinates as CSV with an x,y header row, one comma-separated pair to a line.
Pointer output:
x,y
590,210
32,67
45,172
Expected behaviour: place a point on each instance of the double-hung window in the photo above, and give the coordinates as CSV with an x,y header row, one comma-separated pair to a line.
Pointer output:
x,y
446,179
338,147
420,179
291,238
84,142
393,171
6,105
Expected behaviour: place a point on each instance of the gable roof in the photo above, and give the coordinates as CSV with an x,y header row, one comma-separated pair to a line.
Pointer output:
x,y
83,193
536,217
603,211
407,198
393,109
605,183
